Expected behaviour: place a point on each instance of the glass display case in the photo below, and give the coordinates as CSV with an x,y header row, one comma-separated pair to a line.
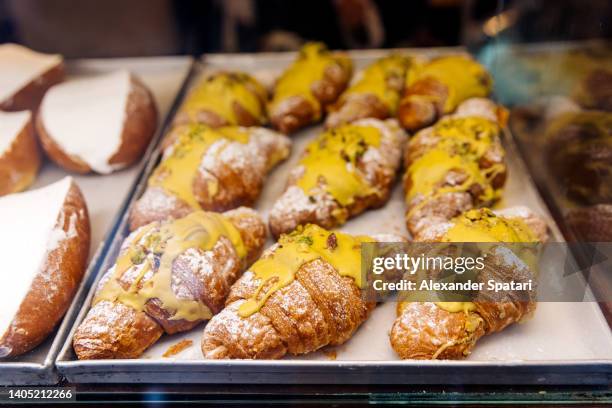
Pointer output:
x,y
337,124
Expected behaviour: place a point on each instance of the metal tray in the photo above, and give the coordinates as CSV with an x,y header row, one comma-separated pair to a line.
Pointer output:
x,y
550,349
106,197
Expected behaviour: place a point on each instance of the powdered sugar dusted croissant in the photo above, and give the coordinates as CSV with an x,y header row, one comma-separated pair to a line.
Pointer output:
x,y
343,172
455,165
437,87
209,169
168,277
304,293
314,80
450,330
375,93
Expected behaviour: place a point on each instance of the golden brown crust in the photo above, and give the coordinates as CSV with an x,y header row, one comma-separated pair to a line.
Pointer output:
x,y
112,330
423,331
197,274
422,103
238,169
54,286
20,163
355,107
138,130
318,308
29,97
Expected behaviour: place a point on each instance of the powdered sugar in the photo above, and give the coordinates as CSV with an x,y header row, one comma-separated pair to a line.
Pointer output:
x,y
11,125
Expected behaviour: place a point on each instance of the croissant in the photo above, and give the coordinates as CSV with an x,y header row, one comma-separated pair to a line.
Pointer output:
x,y
209,169
343,172
301,295
168,278
314,80
225,99
437,87
450,330
455,165
375,94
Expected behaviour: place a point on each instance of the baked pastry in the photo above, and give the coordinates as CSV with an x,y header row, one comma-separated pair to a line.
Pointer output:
x,y
303,294
374,94
99,124
169,277
437,87
314,80
579,154
225,99
592,223
343,172
450,330
25,76
210,169
45,239
19,155
455,165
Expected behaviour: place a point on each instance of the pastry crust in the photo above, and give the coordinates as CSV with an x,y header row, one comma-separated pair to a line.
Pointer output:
x,y
138,130
54,286
235,169
30,95
225,99
374,94
377,166
113,329
425,330
319,307
307,88
19,164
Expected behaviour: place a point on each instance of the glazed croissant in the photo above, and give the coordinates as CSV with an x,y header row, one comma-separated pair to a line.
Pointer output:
x,y
210,169
437,87
343,172
455,165
303,294
375,94
168,278
225,99
314,80
450,330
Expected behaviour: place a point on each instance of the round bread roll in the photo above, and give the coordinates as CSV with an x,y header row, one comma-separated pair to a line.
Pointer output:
x,y
98,124
25,76
19,155
45,238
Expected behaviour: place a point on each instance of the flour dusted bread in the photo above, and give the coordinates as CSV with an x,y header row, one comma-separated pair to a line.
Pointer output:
x,y
45,239
168,277
25,76
19,155
98,124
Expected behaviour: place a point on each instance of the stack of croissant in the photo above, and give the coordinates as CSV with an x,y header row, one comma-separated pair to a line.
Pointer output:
x,y
184,264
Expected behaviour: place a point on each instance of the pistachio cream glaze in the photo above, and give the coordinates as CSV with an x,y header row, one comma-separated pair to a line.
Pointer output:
x,y
333,157
483,225
309,67
375,80
176,173
462,76
278,267
461,147
219,93
151,254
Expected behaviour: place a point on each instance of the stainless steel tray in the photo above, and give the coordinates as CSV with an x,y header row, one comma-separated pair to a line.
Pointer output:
x,y
106,197
550,349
